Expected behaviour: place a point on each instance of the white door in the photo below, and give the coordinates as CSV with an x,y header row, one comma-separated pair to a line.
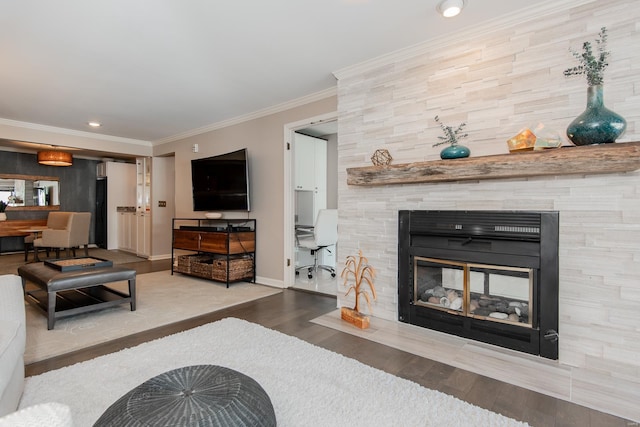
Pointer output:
x,y
304,150
143,222
324,122
310,177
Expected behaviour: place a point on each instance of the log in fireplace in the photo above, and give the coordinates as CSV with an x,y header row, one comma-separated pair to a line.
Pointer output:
x,y
490,276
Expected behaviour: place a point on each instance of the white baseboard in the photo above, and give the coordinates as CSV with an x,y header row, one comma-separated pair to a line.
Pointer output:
x,y
270,282
159,257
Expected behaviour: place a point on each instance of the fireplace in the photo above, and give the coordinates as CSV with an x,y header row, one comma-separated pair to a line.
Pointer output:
x,y
490,276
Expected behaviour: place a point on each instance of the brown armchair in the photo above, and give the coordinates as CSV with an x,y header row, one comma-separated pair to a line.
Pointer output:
x,y
65,230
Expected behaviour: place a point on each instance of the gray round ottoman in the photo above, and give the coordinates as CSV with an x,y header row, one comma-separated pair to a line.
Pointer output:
x,y
201,395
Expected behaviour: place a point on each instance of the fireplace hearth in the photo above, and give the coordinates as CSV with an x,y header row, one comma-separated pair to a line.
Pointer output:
x,y
490,276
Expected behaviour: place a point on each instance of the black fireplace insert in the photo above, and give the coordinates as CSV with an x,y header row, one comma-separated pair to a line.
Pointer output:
x,y
490,276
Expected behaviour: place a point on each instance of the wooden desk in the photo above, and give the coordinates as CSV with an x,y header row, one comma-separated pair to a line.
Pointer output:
x,y
18,227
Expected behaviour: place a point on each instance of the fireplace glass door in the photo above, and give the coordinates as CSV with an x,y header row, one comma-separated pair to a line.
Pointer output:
x,y
489,292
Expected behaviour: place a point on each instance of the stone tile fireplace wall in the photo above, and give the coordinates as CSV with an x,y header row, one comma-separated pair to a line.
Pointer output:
x,y
499,78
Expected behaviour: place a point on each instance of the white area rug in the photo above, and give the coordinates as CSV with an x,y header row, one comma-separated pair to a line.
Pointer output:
x,y
161,299
308,385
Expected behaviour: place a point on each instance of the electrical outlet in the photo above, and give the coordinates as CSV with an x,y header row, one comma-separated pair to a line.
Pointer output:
x,y
162,204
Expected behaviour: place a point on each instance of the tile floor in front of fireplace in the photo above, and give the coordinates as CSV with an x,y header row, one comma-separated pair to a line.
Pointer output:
x,y
545,376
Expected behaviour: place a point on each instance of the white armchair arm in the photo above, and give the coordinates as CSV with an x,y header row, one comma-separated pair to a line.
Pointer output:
x,y
11,298
12,342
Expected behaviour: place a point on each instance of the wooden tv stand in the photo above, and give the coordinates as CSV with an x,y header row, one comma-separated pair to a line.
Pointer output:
x,y
215,249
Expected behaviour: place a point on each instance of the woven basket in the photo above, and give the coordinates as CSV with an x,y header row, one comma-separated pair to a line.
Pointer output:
x,y
216,269
185,262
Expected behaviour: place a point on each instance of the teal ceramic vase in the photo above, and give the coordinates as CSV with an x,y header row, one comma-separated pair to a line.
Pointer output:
x,y
597,124
454,152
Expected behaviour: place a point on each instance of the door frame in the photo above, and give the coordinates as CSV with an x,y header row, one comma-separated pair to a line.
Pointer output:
x,y
289,191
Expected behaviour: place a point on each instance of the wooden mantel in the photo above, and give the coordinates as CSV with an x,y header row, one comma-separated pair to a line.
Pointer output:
x,y
588,159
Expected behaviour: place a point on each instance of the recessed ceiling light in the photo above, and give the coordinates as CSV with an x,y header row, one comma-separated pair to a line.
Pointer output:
x,y
95,124
450,8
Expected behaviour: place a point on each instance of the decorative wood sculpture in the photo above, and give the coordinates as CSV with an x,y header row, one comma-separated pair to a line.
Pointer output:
x,y
361,272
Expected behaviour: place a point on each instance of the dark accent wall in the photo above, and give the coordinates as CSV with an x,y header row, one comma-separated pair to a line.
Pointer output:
x,y
77,189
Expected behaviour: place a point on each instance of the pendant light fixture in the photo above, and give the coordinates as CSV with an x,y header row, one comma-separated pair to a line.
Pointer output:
x,y
55,158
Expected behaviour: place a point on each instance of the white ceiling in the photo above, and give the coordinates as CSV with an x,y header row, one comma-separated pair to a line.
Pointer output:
x,y
154,69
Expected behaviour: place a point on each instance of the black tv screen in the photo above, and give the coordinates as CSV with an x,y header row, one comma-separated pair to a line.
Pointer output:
x,y
221,183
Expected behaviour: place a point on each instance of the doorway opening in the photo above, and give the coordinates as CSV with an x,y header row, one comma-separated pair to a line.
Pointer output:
x,y
310,185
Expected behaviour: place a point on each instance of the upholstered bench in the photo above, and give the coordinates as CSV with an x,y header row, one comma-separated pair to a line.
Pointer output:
x,y
84,289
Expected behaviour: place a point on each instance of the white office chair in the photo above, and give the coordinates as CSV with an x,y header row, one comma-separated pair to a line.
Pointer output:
x,y
325,233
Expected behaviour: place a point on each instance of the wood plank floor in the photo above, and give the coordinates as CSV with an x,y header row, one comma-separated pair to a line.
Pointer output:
x,y
291,311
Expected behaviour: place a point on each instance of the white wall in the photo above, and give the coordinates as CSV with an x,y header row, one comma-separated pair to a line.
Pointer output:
x,y
499,79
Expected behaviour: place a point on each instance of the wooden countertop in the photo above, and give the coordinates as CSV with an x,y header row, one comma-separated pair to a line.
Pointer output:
x,y
16,227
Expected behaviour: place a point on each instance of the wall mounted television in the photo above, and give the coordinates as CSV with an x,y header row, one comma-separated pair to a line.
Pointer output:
x,y
221,183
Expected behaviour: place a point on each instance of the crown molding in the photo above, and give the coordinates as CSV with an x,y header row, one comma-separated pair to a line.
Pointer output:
x,y
453,39
317,96
71,132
